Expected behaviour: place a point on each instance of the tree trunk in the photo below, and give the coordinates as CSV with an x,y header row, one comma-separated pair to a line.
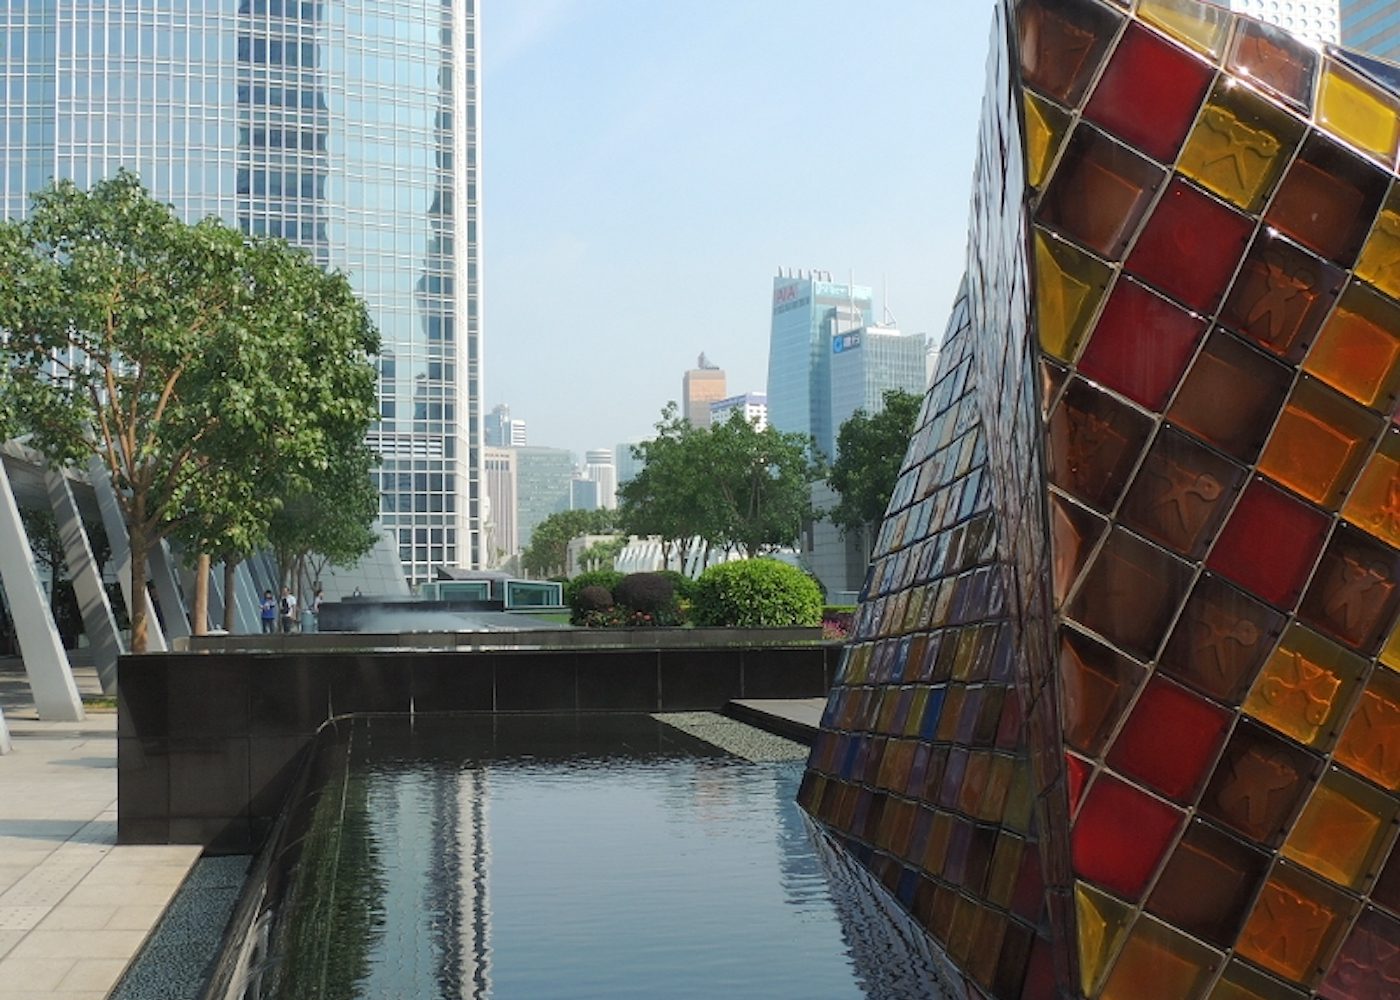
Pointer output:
x,y
230,600
140,545
200,613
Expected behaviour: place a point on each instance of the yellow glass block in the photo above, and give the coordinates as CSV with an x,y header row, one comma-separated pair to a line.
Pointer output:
x,y
916,712
1340,830
990,804
1159,961
1358,350
1390,655
1069,284
1379,262
1240,982
1197,25
1240,145
1303,688
1370,743
1006,865
1318,444
1374,504
1359,112
1294,924
1045,128
1101,922
1019,800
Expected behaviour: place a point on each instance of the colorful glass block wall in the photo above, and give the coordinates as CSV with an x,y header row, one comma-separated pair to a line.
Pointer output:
x,y
1120,716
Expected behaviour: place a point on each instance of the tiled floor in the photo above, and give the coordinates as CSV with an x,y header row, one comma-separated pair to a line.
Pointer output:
x,y
74,908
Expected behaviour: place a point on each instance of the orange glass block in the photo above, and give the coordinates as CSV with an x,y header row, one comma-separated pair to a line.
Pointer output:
x,y
1294,926
1374,504
1319,444
1379,262
1046,125
1240,982
1240,145
1370,743
1360,112
1069,284
1341,830
1196,25
1358,350
1101,922
1158,961
1390,655
1305,686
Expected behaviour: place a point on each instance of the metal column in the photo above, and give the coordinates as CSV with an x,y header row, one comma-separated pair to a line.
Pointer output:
x,y
115,525
98,622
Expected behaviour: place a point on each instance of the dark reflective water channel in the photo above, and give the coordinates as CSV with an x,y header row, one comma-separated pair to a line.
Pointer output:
x,y
582,856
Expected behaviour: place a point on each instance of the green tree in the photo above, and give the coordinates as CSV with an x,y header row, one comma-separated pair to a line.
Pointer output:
x,y
172,352
869,452
667,497
547,552
759,486
600,555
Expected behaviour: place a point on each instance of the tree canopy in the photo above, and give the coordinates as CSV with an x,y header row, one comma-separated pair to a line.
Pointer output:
x,y
869,452
548,550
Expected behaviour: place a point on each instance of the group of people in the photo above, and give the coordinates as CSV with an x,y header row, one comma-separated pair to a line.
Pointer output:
x,y
284,610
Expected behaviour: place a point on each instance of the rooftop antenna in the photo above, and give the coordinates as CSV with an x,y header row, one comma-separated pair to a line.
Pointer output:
x,y
888,319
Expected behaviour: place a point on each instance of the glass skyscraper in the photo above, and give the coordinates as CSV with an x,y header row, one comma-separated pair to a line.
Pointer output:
x,y
1373,26
348,127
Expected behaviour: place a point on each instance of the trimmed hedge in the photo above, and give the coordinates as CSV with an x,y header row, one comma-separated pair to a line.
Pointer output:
x,y
756,593
646,592
605,578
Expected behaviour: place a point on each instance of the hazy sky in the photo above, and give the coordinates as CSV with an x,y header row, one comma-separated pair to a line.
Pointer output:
x,y
650,164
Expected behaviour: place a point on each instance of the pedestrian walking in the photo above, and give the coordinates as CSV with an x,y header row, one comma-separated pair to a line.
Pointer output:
x,y
288,607
269,613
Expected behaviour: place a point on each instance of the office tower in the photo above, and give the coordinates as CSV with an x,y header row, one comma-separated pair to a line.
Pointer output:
x,y
701,386
1373,26
349,129
501,514
598,467
627,466
865,364
1314,20
583,494
1118,714
503,431
753,404
808,310
542,487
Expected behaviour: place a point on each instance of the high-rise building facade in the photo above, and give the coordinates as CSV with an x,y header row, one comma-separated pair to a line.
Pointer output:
x,y
502,430
598,467
499,534
701,386
543,478
867,363
808,310
349,129
1373,26
753,404
1315,20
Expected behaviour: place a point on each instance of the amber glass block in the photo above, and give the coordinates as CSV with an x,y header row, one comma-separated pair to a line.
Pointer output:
x,y
1095,441
1200,26
1191,246
1170,740
1368,964
1208,884
1099,193
1046,125
1370,743
1141,344
1319,444
1341,830
1121,835
1159,961
1240,146
1295,925
1355,594
1374,504
1131,593
1231,396
1069,285
1240,982
1247,551
1259,783
1220,640
1281,296
1328,199
1101,921
1358,351
1275,60
1062,43
1363,114
1149,93
1379,262
1096,685
1181,493
1305,687
1073,533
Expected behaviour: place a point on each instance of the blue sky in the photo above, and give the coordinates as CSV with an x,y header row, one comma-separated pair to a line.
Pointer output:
x,y
649,164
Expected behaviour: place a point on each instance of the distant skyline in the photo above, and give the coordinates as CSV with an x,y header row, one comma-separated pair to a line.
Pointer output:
x,y
648,168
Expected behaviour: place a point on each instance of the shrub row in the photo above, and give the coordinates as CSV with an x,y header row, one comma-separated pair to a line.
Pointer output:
x,y
752,593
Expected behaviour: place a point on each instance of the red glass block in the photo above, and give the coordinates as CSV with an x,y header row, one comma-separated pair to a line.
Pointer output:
x,y
1259,784
1131,593
1274,59
1269,544
1120,836
1039,983
1355,593
1328,199
1191,246
1170,740
1368,963
1073,533
1149,93
1181,494
1077,771
1099,193
1062,43
1282,295
1208,884
1094,442
1220,640
1231,396
1141,345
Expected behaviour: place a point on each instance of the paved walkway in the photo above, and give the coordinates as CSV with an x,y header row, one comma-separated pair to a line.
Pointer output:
x,y
74,907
